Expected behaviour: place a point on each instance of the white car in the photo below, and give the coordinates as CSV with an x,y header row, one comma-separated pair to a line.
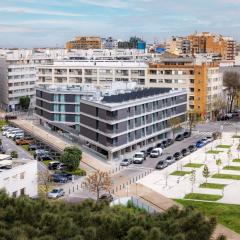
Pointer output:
x,y
156,152
7,130
138,157
13,133
56,193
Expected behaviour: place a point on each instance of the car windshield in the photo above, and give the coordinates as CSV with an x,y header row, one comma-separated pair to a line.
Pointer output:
x,y
125,160
154,151
160,163
177,153
138,155
169,158
55,191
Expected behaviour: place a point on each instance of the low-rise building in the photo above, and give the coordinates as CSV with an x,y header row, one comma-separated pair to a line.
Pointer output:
x,y
85,42
118,124
19,177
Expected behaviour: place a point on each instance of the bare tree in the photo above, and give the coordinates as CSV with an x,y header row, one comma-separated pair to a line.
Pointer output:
x,y
193,118
231,80
219,105
44,178
98,182
174,124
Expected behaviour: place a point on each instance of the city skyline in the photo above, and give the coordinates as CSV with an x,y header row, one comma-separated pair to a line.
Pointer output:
x,y
29,23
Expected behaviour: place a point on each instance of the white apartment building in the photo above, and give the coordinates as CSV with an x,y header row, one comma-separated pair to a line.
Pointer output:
x,y
91,72
19,177
18,74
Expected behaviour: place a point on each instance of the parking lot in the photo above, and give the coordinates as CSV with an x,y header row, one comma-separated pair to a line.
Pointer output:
x,y
170,150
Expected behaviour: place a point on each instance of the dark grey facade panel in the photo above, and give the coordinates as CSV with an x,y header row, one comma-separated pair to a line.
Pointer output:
x,y
88,121
181,98
122,127
121,140
69,97
69,108
88,133
181,109
48,106
70,118
47,115
90,110
48,96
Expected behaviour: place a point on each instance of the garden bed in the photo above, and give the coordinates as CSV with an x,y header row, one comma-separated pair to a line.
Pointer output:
x,y
213,185
214,151
226,176
223,146
193,165
234,168
204,197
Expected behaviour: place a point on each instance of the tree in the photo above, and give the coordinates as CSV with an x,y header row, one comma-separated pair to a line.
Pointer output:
x,y
136,233
193,118
231,80
24,102
218,163
193,178
71,157
14,154
206,172
229,153
219,105
44,178
174,123
98,182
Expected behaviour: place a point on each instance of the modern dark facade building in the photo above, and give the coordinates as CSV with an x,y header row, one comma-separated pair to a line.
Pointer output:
x,y
61,104
118,124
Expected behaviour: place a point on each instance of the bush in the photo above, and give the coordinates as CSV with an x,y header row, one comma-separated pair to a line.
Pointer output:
x,y
71,157
14,154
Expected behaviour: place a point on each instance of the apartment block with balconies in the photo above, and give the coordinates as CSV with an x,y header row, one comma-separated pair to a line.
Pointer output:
x,y
119,124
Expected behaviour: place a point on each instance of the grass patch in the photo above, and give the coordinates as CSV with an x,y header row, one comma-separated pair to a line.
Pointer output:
x,y
193,165
205,197
26,148
180,173
223,146
2,123
226,176
78,172
46,162
234,168
214,151
213,185
226,214
236,160
236,136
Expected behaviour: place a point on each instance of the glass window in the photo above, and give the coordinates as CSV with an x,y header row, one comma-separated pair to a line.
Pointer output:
x,y
62,98
77,98
62,117
55,97
77,108
77,119
56,108
56,117
62,108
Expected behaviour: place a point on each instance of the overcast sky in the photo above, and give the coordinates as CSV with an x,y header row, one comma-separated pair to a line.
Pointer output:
x,y
50,23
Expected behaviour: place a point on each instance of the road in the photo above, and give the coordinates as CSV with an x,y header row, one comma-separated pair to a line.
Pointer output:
x,y
10,146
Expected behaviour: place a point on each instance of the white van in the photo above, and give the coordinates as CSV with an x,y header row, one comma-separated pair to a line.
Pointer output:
x,y
13,133
138,157
156,152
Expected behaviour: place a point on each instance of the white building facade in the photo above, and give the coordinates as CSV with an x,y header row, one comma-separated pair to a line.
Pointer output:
x,y
21,179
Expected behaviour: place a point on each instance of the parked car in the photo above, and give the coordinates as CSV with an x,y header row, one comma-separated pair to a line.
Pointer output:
x,y
209,139
192,148
44,158
138,158
62,166
165,144
126,162
56,193
23,141
204,140
7,130
185,152
179,137
149,150
145,154
161,164
160,145
53,165
170,141
156,152
177,155
41,152
2,150
199,144
59,178
6,127
106,197
33,147
170,160
186,134
18,136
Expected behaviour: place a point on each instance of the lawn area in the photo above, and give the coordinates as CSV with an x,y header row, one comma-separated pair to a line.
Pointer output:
x,y
78,172
2,123
223,146
234,168
236,136
214,151
236,160
180,173
226,176
212,185
226,214
26,148
194,165
204,197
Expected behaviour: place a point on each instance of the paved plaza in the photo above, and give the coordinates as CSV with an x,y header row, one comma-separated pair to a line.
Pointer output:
x,y
174,186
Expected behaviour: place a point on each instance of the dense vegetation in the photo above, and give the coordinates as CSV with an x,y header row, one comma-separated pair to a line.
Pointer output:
x,y
24,218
